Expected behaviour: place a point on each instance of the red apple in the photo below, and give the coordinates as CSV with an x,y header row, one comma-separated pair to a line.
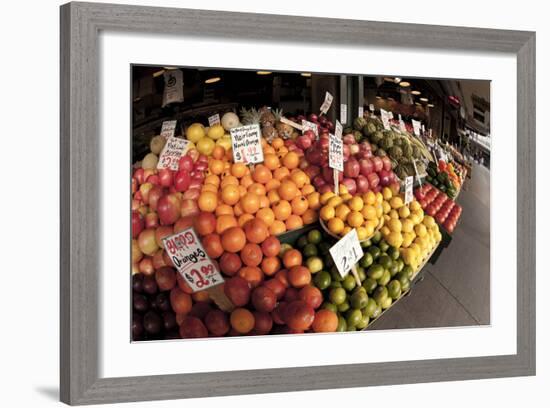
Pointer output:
x,y
373,179
348,139
153,179
386,163
310,134
166,177
139,175
366,167
162,232
351,168
151,220
350,185
362,184
186,163
377,163
191,194
182,180
168,208
154,195
189,208
183,223
146,241
137,224
312,171
303,142
144,190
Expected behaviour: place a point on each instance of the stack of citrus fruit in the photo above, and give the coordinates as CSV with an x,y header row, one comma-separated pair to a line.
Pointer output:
x,y
206,139
341,213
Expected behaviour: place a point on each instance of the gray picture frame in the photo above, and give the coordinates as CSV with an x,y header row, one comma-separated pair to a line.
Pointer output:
x,y
81,24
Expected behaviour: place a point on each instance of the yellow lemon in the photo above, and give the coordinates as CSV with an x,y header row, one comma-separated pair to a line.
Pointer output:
x,y
327,212
407,225
362,233
325,197
355,219
384,231
429,221
216,132
387,193
394,214
369,212
420,215
356,204
335,201
342,189
415,205
342,211
396,202
369,198
420,230
369,229
386,207
395,239
195,132
379,211
224,142
395,225
404,212
335,225
379,198
206,146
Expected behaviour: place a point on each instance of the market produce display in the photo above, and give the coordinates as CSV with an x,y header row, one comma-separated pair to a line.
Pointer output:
x,y
259,224
443,177
437,204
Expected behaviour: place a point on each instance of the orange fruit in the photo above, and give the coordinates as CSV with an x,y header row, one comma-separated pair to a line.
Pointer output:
x,y
181,302
292,257
268,150
257,189
242,320
212,179
216,166
229,179
250,203
224,209
299,205
273,196
307,189
218,152
336,225
291,160
282,210
230,194
261,174
278,227
355,219
281,152
224,222
287,190
293,222
256,231
327,212
204,223
310,216
299,177
233,239
264,202
266,215
209,187
229,154
239,170
208,201
201,296
242,191
251,254
272,184
271,161
247,181
277,143
252,274
299,276
213,245
326,321
281,173
238,210
341,211
313,200
244,218
271,265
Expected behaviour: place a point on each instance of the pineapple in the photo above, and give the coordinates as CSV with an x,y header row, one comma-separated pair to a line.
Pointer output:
x,y
267,118
250,116
285,131
253,116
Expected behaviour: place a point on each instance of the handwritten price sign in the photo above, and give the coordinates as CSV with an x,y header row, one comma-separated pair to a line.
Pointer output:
x,y
409,181
168,128
191,261
172,151
335,153
416,127
385,116
291,123
214,120
247,146
326,103
346,252
311,126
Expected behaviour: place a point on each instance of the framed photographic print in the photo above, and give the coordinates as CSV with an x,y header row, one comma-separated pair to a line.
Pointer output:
x,y
262,203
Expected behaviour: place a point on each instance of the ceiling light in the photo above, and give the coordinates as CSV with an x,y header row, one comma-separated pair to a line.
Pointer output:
x,y
418,104
404,84
430,105
415,92
263,72
212,80
397,80
158,73
424,99
388,79
170,68
306,74
391,99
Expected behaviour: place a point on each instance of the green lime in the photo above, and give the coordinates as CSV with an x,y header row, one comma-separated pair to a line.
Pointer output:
x,y
351,328
353,317
393,253
374,251
376,312
370,284
402,278
322,280
335,275
394,268
383,245
394,289
385,261
284,247
380,294
375,271
342,326
370,308
314,264
324,248
309,250
314,236
386,277
335,284
366,244
366,260
400,264
329,262
376,237
329,306
361,273
363,323
337,296
408,270
405,286
301,242
343,307
359,300
386,303
349,282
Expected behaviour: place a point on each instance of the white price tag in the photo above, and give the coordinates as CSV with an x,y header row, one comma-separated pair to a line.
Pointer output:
x,y
338,130
343,113
391,115
168,128
423,128
291,123
385,116
247,144
346,252
409,181
173,149
416,172
371,107
326,103
190,259
402,126
360,111
416,127
310,125
214,120
335,153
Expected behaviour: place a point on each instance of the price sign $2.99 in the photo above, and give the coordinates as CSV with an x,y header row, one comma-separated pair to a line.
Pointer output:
x,y
346,252
190,259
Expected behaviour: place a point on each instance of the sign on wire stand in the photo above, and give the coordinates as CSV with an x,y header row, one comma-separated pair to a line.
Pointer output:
x,y
214,120
371,108
336,156
247,145
346,252
416,127
310,125
173,149
291,123
168,128
409,181
343,113
191,261
385,116
326,103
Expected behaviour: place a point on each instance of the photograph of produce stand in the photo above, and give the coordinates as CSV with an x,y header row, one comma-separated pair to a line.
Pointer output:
x,y
271,203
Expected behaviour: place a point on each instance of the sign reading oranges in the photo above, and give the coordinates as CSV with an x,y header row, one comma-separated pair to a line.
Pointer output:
x,y
190,259
346,252
173,150
247,145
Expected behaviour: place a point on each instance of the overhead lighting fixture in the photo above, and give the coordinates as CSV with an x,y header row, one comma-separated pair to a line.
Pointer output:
x,y
424,99
415,92
306,74
430,105
388,79
159,73
170,68
418,104
212,80
263,72
378,97
397,80
391,99
404,84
